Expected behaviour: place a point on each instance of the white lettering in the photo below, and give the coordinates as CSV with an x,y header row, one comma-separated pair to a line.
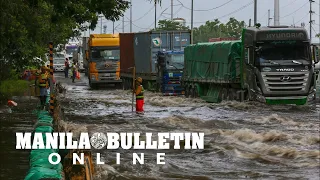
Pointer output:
x,y
137,143
197,140
136,157
23,142
50,158
161,141
37,141
126,140
70,143
113,141
150,144
118,158
52,140
187,141
159,158
176,137
84,141
99,159
62,137
76,158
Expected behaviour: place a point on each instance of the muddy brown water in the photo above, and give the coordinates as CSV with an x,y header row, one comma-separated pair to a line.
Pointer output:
x,y
242,140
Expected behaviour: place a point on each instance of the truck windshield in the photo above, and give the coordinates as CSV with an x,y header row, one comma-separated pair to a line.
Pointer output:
x,y
176,60
71,49
105,54
283,53
58,61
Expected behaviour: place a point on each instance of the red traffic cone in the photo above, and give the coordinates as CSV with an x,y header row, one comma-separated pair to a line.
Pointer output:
x,y
12,103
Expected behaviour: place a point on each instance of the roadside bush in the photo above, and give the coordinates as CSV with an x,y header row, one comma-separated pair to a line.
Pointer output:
x,y
9,88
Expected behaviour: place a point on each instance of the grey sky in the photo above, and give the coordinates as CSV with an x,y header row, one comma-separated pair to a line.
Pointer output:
x,y
291,11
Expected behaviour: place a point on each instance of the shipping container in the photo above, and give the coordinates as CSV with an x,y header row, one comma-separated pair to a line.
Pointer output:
x,y
147,45
141,49
126,52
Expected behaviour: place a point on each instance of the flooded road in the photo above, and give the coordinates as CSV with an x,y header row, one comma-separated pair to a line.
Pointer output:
x,y
242,140
15,163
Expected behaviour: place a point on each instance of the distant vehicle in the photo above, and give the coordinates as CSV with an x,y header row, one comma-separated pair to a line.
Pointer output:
x,y
103,56
158,58
58,64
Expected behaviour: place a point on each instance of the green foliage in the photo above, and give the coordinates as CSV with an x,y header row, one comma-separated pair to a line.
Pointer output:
x,y
318,35
27,26
215,29
168,25
9,88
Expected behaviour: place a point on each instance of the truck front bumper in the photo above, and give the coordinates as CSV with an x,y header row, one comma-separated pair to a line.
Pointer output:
x,y
298,100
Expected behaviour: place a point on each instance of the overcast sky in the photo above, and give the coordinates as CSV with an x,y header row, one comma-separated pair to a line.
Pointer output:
x,y
143,13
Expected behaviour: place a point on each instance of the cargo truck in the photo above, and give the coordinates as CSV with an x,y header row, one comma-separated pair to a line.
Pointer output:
x,y
103,56
157,58
270,64
84,50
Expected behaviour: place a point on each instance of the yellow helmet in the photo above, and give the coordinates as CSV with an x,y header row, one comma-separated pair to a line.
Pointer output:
x,y
139,79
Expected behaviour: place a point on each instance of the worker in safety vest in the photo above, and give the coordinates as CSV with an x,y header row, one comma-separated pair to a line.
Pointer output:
x,y
43,82
139,95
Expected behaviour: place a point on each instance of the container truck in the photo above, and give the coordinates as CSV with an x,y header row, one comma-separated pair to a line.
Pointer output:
x,y
157,58
103,56
84,50
269,64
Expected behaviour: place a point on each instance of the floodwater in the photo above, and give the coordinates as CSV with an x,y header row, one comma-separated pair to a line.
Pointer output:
x,y
242,140
15,163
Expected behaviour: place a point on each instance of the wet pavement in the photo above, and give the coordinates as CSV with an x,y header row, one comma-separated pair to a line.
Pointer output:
x,y
242,140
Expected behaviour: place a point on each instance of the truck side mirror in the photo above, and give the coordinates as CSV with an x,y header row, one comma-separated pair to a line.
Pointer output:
x,y
315,53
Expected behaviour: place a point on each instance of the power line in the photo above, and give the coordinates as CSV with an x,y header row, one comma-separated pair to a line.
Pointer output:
x,y
206,9
295,10
233,12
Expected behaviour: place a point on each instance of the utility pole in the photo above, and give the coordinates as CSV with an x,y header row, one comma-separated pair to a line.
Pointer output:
x,y
112,27
171,10
155,14
131,16
101,23
123,24
319,23
269,18
104,29
276,13
255,12
191,21
310,21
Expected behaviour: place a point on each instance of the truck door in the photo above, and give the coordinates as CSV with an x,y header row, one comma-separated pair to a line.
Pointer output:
x,y
250,76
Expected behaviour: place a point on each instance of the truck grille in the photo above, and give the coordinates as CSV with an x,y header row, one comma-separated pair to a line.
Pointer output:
x,y
107,76
285,81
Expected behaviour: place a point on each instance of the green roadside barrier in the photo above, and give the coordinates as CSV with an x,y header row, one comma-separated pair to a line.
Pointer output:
x,y
40,167
37,173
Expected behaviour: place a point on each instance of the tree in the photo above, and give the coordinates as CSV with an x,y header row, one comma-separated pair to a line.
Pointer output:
x,y
215,29
28,25
168,25
318,35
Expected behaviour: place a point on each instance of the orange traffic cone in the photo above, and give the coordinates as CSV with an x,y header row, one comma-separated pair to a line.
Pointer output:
x,y
12,103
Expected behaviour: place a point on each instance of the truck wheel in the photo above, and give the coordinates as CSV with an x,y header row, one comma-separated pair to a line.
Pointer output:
x,y
191,92
196,93
186,94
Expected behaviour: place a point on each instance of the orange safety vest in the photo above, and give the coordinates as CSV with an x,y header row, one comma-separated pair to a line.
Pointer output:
x,y
43,80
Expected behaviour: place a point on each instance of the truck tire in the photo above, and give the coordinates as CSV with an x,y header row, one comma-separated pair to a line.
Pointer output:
x,y
191,92
187,92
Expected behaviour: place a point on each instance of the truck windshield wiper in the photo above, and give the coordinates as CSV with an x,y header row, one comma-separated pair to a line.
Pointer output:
x,y
272,62
296,62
